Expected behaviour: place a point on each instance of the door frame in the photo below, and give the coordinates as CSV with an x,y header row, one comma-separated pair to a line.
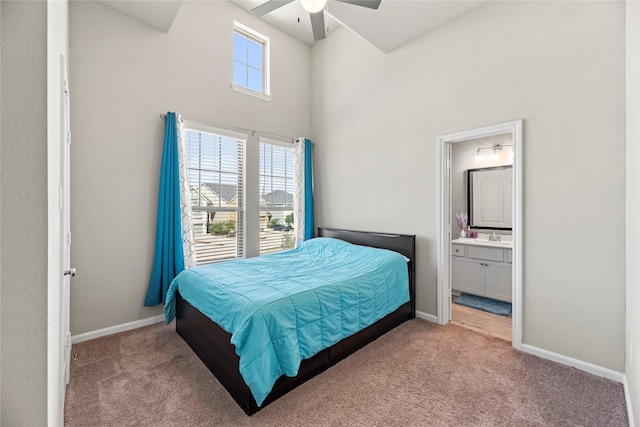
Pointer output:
x,y
445,143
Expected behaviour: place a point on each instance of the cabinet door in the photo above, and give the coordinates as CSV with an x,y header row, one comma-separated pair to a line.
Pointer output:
x,y
467,276
497,281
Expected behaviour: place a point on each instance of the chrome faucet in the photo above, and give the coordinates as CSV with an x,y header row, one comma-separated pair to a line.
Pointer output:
x,y
493,237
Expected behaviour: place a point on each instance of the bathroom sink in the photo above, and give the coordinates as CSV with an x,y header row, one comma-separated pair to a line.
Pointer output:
x,y
491,242
484,242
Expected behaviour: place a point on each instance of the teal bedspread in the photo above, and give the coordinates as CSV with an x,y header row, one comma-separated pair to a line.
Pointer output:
x,y
286,307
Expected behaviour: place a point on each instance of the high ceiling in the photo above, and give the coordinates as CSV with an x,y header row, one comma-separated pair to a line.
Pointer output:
x,y
159,14
393,24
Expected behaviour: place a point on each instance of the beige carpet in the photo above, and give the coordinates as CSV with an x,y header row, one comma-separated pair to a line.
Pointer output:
x,y
419,374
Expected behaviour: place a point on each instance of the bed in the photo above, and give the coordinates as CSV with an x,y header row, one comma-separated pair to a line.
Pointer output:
x,y
283,370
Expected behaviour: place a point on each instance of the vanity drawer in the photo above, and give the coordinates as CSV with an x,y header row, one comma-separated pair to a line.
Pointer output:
x,y
489,254
509,256
457,250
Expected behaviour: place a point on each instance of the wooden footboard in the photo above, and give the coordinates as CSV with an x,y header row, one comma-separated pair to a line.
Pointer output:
x,y
213,345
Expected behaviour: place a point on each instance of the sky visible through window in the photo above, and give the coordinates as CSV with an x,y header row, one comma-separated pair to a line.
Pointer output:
x,y
247,64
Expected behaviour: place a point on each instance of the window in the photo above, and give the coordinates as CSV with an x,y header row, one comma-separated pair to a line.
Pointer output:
x,y
250,62
215,166
276,198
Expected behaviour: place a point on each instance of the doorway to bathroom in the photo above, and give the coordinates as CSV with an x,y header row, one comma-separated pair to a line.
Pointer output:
x,y
480,232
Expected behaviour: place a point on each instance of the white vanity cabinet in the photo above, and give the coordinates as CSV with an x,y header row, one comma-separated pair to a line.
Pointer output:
x,y
481,270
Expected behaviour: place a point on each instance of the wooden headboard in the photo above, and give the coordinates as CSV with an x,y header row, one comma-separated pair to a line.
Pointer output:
x,y
404,244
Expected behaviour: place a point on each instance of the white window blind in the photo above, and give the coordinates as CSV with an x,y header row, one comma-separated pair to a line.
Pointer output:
x,y
216,179
276,198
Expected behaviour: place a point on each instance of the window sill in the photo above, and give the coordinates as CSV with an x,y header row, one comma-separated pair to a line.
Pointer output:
x,y
250,92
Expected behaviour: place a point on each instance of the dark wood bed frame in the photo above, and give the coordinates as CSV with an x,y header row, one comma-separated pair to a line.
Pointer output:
x,y
212,344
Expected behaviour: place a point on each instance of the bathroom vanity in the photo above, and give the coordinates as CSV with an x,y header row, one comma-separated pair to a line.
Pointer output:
x,y
482,267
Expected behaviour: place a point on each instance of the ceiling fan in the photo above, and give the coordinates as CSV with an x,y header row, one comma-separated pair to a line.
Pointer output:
x,y
315,9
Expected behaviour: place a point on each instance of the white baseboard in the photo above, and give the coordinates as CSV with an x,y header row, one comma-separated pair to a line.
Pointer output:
x,y
117,328
565,360
627,397
426,316
578,364
160,318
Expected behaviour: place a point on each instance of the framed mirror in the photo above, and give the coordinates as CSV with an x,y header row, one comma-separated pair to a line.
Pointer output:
x,y
489,193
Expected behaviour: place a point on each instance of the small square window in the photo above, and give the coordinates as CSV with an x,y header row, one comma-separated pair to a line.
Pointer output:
x,y
250,62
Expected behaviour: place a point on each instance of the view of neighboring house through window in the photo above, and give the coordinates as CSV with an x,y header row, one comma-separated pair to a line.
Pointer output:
x,y
276,198
216,176
250,60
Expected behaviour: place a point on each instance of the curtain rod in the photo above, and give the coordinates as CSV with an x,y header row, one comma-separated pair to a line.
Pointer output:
x,y
253,132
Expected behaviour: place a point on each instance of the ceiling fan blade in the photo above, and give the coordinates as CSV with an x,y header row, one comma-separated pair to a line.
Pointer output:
x,y
269,6
317,25
371,4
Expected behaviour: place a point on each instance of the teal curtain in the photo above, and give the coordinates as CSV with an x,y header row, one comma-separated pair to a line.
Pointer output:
x,y
168,258
308,190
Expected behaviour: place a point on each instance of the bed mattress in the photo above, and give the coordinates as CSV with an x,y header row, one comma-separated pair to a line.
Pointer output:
x,y
286,307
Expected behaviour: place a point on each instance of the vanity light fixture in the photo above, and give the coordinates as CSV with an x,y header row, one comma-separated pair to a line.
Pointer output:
x,y
496,149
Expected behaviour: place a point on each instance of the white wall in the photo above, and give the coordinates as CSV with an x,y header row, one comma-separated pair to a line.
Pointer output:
x,y
123,75
23,224
559,66
633,206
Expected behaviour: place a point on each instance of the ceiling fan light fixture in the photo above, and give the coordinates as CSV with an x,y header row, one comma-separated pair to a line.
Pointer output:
x,y
313,6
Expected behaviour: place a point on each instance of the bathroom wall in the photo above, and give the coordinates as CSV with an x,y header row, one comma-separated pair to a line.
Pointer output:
x,y
463,157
